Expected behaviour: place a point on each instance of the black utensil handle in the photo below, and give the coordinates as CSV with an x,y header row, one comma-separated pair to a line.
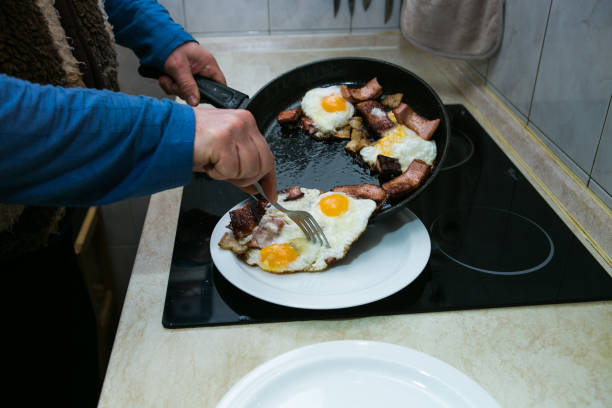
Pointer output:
x,y
218,95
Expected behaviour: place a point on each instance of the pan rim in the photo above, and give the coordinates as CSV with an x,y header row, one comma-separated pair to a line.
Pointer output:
x,y
446,121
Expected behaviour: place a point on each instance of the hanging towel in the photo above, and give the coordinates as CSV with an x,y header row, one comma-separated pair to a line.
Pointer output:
x,y
466,29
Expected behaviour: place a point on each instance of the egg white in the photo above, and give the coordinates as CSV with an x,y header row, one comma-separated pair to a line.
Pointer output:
x,y
403,144
341,231
325,122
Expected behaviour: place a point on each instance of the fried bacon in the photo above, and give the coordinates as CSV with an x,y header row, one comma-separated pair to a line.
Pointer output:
x,y
367,191
414,175
265,232
374,113
242,221
421,126
289,116
260,207
293,193
346,94
308,125
392,101
387,167
371,90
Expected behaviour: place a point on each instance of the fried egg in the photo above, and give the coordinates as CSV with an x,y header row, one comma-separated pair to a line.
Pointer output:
x,y
327,108
401,143
341,217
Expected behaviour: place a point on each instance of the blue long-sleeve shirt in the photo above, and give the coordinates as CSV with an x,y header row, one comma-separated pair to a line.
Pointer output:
x,y
77,146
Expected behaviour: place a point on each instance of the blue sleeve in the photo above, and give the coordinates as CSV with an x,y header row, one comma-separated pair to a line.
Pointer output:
x,y
146,27
78,146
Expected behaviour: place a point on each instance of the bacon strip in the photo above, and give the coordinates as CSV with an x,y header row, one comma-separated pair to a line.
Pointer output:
x,y
367,191
414,175
421,126
371,90
308,125
289,116
242,221
374,114
293,193
346,94
266,232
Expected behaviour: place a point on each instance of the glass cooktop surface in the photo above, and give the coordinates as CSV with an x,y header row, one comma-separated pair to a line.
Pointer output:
x,y
495,243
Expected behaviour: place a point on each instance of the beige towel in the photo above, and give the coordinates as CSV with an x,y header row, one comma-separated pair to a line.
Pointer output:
x,y
466,29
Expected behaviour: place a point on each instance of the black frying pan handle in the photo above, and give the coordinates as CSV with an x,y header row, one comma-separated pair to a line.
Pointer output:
x,y
218,95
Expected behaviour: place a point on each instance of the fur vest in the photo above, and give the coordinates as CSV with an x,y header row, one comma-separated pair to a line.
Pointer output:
x,y
67,43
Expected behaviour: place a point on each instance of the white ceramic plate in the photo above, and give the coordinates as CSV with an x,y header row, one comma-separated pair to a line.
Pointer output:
x,y
388,256
356,374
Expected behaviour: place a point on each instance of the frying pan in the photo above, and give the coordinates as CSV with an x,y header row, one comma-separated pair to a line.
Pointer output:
x,y
301,160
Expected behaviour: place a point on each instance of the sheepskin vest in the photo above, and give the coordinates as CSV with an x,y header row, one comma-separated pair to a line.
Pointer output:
x,y
66,43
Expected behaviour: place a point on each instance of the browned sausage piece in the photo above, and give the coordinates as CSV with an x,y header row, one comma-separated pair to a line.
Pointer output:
x,y
414,175
293,193
371,90
242,221
346,94
374,114
368,191
421,126
387,167
289,116
308,125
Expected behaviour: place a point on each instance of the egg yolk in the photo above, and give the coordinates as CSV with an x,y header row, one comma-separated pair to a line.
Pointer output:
x,y
334,205
385,144
333,103
276,257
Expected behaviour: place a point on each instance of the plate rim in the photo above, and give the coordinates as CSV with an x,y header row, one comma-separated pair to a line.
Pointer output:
x,y
296,300
472,392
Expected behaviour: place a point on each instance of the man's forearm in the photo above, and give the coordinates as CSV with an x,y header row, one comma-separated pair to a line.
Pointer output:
x,y
80,147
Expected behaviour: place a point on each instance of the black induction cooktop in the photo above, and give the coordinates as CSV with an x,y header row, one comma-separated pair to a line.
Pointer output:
x,y
495,243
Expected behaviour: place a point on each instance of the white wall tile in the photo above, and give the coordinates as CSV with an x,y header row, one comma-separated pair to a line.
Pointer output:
x,y
289,15
602,170
205,16
374,17
574,82
175,8
513,69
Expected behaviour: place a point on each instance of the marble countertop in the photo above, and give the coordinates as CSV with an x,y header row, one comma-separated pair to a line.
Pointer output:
x,y
541,356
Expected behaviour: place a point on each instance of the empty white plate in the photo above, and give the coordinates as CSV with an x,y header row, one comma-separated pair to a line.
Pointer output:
x,y
389,255
355,374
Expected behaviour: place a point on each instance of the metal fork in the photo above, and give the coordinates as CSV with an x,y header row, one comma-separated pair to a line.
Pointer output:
x,y
303,219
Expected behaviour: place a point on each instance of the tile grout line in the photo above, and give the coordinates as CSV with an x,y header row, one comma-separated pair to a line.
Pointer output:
x,y
600,138
535,82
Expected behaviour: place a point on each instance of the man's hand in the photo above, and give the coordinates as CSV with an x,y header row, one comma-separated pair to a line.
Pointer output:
x,y
228,146
184,62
